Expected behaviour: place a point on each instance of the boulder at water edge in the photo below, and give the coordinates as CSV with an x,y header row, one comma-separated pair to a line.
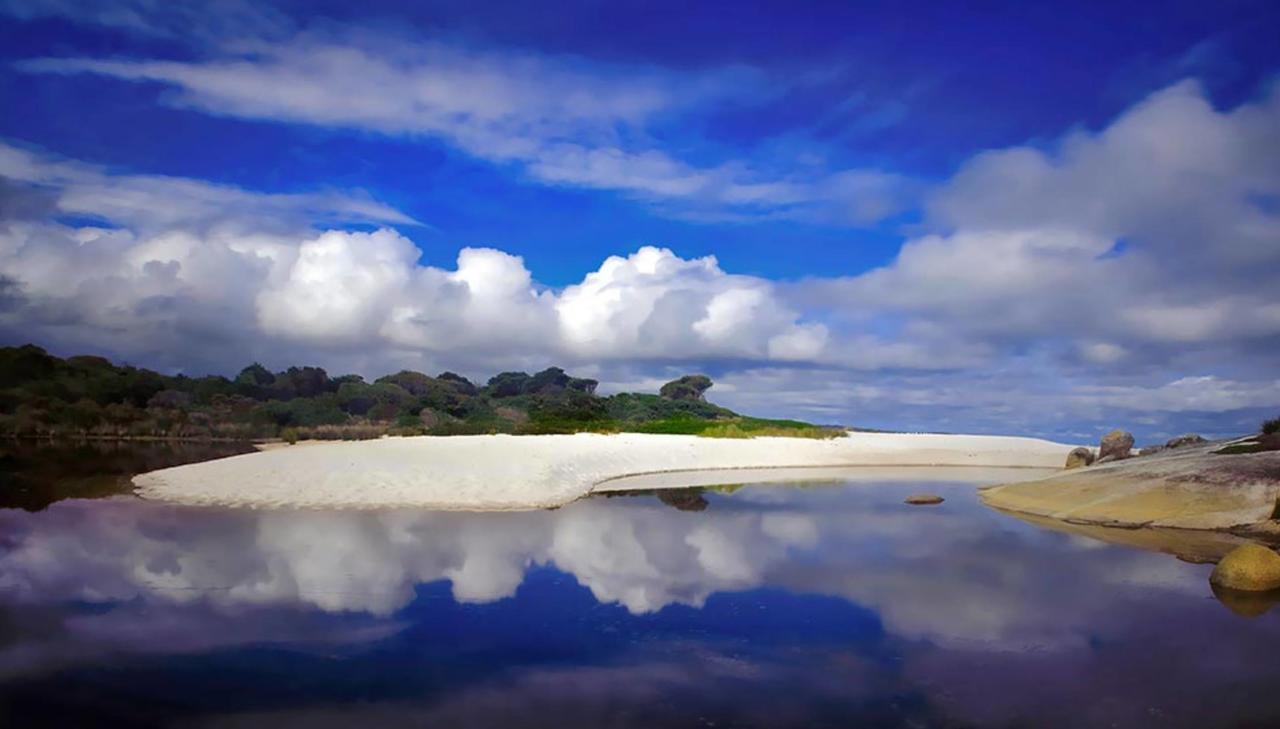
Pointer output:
x,y
1250,567
1079,457
1117,443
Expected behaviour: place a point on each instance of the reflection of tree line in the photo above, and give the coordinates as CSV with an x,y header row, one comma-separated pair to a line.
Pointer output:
x,y
683,499
34,474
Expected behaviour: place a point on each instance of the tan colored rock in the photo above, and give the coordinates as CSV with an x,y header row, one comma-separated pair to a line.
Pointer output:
x,y
924,499
1194,489
1079,457
1183,441
1117,443
1250,567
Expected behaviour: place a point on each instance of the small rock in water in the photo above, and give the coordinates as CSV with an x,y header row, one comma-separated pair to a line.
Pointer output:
x,y
1079,457
1117,443
1250,567
924,499
1185,440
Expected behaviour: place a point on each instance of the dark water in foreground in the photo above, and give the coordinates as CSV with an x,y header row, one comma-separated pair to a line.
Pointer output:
x,y
36,473
825,605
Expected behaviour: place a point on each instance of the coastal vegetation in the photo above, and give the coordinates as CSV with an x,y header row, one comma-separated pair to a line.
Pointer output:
x,y
42,395
1267,439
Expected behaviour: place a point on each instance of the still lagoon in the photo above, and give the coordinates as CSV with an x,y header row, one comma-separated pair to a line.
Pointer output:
x,y
822,604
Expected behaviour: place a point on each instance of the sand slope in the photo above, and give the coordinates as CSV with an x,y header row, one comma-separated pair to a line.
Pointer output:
x,y
525,472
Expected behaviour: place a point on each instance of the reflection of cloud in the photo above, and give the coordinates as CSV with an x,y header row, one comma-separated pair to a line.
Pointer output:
x,y
370,562
960,576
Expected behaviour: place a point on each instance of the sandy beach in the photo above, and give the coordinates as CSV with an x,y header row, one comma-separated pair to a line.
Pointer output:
x,y
502,472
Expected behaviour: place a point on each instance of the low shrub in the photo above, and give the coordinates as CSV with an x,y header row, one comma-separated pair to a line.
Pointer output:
x,y
735,428
1271,426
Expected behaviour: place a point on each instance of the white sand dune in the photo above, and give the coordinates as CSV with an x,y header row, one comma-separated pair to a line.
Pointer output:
x,y
493,472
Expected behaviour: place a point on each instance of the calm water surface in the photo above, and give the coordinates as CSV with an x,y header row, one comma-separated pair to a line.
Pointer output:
x,y
824,605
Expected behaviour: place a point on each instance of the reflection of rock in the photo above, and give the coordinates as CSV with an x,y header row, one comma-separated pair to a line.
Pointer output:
x,y
1189,545
1117,444
1079,457
683,499
923,499
1251,567
1244,603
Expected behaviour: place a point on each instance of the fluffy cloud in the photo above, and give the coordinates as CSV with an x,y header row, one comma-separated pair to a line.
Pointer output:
x,y
1030,303
653,304
1160,231
1131,268
167,263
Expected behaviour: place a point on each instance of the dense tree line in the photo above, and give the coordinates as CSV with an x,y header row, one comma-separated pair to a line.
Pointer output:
x,y
44,395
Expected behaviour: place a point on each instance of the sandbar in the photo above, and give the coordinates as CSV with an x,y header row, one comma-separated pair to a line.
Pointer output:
x,y
506,472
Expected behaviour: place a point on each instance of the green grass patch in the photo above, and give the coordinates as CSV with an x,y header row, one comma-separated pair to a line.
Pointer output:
x,y
734,428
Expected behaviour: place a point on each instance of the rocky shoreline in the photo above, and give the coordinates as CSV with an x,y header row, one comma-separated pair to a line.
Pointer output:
x,y
1203,501
1190,487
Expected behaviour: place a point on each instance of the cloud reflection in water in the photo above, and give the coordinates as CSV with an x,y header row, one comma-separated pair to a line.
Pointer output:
x,y
938,589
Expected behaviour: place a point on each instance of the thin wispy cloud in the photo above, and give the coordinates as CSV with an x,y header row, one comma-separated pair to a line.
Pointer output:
x,y
560,120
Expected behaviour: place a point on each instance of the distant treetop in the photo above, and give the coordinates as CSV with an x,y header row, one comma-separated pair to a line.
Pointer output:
x,y
689,387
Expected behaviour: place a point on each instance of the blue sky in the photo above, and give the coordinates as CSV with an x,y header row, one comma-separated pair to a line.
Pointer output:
x,y
1019,218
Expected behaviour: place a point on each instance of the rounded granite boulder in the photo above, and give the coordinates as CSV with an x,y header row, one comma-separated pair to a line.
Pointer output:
x,y
1118,444
1079,457
1250,567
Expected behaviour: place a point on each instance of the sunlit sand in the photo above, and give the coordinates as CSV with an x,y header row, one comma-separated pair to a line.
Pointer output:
x,y
502,472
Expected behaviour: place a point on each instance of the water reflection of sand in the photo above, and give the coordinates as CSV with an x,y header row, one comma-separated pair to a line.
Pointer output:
x,y
499,472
